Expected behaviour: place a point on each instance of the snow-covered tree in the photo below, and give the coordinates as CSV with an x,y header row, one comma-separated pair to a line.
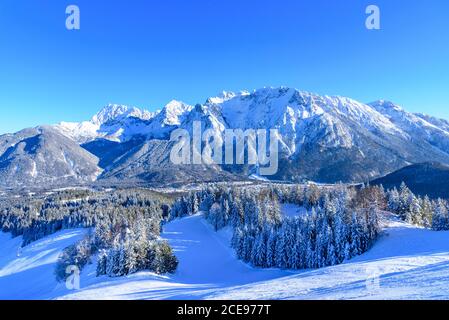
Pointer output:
x,y
440,220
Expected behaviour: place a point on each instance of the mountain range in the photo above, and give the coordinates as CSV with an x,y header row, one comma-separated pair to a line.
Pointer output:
x,y
321,138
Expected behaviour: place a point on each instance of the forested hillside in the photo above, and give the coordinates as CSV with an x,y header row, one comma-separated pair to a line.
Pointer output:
x,y
124,227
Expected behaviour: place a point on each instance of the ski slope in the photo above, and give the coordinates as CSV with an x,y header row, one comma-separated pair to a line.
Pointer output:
x,y
406,263
206,265
28,273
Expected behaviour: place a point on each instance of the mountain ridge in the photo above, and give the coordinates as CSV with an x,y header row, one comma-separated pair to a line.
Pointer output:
x,y
321,138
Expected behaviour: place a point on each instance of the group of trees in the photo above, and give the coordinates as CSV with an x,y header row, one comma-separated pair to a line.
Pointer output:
x,y
131,246
340,222
418,210
124,221
325,236
35,217
128,258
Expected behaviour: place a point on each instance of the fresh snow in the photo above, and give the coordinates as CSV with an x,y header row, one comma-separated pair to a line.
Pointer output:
x,y
113,122
207,264
28,273
286,109
406,263
122,123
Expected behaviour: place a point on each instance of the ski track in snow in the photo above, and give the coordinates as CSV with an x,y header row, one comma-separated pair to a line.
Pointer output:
x,y
409,263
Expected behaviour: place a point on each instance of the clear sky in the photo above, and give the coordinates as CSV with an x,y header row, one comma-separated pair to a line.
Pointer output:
x,y
146,52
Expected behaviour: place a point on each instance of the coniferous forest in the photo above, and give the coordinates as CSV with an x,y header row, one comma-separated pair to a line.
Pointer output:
x,y
124,226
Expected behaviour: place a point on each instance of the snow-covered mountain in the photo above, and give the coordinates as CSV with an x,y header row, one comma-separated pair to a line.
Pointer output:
x,y
42,157
416,126
113,122
321,138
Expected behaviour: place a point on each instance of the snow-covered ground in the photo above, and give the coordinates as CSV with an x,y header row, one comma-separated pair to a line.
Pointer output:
x,y
406,263
207,264
28,273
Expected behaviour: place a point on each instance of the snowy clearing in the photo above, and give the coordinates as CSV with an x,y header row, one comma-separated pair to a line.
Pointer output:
x,y
406,263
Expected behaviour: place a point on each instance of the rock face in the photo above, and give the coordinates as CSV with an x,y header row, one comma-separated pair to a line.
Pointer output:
x,y
321,138
429,178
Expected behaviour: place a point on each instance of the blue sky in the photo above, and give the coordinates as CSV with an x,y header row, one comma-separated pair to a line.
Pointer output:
x,y
146,52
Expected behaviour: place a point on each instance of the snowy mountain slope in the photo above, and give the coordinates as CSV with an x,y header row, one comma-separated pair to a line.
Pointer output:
x,y
321,138
122,123
28,273
110,151
432,130
150,161
113,122
406,263
43,156
439,123
170,118
326,138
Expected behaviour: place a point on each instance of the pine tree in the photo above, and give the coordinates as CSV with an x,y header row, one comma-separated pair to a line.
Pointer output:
x,y
236,214
237,242
259,258
414,214
215,216
393,200
207,203
355,245
347,251
440,220
121,267
281,252
101,262
426,212
310,254
271,249
289,242
339,231
131,263
248,244
113,262
298,249
226,212
405,198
